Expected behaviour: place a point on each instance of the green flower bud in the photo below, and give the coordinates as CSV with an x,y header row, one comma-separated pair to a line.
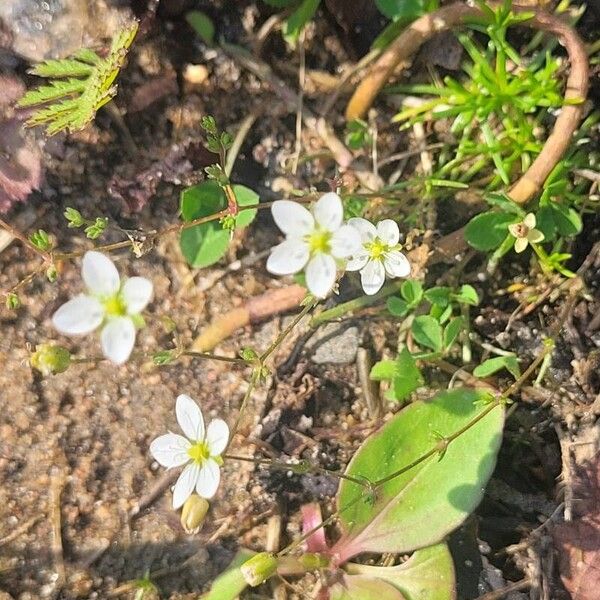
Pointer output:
x,y
193,513
51,274
249,354
259,568
74,217
312,561
12,301
50,359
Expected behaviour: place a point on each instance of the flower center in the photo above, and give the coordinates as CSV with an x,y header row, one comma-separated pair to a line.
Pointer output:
x,y
377,248
521,230
114,306
199,452
319,241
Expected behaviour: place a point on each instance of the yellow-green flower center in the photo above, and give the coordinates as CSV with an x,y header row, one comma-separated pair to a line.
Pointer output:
x,y
377,249
199,452
319,241
114,306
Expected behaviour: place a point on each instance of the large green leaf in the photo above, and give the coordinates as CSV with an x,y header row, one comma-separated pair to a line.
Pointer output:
x,y
205,244
420,506
488,230
296,22
231,583
427,575
358,587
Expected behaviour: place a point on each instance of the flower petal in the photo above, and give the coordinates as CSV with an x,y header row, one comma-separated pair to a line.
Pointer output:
x,y
345,242
288,257
357,262
136,293
217,436
292,218
320,275
189,417
78,316
100,274
529,220
372,277
396,264
170,450
388,232
185,484
208,479
368,231
117,339
514,229
535,236
329,211
520,245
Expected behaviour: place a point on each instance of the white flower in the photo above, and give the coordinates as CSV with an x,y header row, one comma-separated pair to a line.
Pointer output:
x,y
380,254
109,304
200,451
525,233
317,241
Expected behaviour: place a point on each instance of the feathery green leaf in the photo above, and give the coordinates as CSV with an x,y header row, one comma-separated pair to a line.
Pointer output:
x,y
80,85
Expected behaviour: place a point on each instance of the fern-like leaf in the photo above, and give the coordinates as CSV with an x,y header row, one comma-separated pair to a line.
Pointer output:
x,y
79,86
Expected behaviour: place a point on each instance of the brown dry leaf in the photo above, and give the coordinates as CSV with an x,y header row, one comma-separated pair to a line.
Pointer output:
x,y
578,541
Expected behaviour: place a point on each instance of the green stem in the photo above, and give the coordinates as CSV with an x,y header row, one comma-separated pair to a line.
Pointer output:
x,y
356,304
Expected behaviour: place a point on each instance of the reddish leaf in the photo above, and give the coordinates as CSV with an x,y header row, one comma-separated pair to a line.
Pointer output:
x,y
20,166
578,541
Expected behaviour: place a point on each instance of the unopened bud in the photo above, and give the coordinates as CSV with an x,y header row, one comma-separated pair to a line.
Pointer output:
x,y
312,561
193,513
51,274
259,568
12,301
49,359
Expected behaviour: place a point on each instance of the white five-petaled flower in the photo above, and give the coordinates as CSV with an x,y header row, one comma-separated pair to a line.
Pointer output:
x,y
525,233
380,254
318,241
109,304
201,449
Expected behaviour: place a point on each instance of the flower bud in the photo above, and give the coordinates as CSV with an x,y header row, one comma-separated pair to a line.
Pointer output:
x,y
259,568
193,513
12,301
50,359
312,561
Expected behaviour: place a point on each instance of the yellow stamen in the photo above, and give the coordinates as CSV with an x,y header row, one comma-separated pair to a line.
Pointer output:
x,y
199,452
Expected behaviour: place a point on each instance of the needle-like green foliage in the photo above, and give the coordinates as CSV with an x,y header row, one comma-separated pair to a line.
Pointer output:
x,y
78,86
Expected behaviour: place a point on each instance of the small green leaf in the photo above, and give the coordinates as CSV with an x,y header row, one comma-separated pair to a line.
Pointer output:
x,y
397,306
383,370
466,295
205,244
230,584
427,332
407,377
438,295
568,222
298,19
412,291
452,331
488,230
493,365
202,24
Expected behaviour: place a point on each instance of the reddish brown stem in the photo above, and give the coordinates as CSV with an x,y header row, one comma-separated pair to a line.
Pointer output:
x,y
449,17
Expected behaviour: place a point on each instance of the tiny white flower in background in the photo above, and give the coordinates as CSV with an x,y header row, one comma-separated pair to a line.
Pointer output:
x,y
316,240
380,254
109,304
525,233
200,450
